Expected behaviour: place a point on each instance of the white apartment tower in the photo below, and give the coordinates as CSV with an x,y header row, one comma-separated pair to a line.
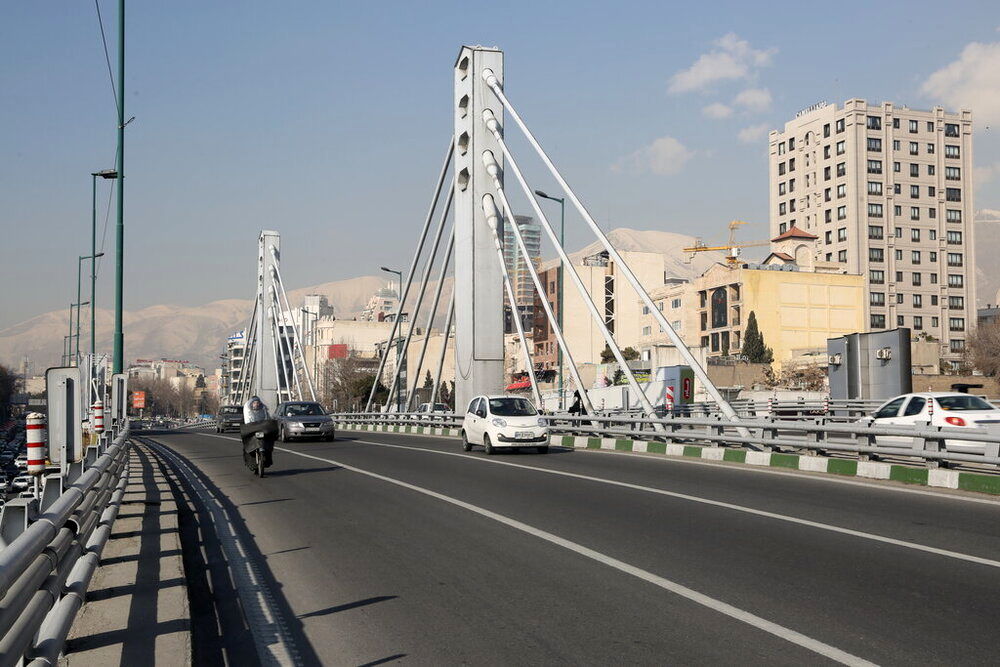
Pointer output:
x,y
888,192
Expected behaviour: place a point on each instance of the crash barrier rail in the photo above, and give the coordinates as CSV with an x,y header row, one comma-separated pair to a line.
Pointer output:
x,y
833,409
52,550
820,435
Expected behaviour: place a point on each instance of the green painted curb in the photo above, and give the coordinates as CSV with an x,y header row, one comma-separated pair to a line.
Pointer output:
x,y
842,467
735,455
593,443
691,450
908,475
785,461
983,483
656,447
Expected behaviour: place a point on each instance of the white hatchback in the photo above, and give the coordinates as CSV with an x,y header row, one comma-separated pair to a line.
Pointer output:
x,y
939,409
504,422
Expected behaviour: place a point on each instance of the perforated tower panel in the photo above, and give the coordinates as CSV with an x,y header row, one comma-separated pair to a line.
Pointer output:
x,y
479,348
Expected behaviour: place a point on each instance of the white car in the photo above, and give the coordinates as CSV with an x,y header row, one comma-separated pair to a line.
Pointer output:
x,y
20,483
504,422
426,412
949,410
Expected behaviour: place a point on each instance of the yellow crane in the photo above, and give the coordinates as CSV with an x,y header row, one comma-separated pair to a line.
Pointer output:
x,y
732,248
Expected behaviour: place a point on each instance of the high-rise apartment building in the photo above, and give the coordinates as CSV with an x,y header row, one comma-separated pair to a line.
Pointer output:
x,y
888,191
517,265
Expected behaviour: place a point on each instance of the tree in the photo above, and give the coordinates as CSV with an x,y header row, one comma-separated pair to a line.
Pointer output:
x,y
9,383
428,380
753,343
983,349
607,356
630,353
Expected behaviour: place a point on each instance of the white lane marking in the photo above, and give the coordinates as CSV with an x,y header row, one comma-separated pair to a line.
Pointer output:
x,y
270,631
824,478
729,610
715,503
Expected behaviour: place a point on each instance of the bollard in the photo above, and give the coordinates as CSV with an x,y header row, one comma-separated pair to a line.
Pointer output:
x,y
668,401
930,409
826,404
36,435
98,417
770,406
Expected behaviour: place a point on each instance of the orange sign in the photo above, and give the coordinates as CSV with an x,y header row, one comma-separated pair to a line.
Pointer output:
x,y
138,400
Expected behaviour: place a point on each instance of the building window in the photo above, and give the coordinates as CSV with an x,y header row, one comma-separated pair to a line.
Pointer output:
x,y
897,188
915,256
842,212
914,148
874,123
874,211
791,164
915,233
956,345
791,144
781,169
935,322
841,191
930,149
841,147
675,303
720,308
918,301
914,192
791,185
956,280
914,170
933,277
875,232
876,277
877,299
876,255
895,123
842,256
932,213
874,188
913,126
896,166
646,331
781,148
828,215
953,194
874,166
783,227
782,209
826,194
829,238
895,144
826,152
954,238
791,205
954,259
874,145
899,298
933,257
840,126
956,324
878,321
900,321
841,169
931,192
918,322
952,174
899,276
916,279
952,151
953,215
842,234
915,215
781,188
950,130
956,302
826,130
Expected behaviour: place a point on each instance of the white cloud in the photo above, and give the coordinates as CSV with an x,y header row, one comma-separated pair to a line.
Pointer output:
x,y
732,58
971,82
754,99
717,110
664,157
753,134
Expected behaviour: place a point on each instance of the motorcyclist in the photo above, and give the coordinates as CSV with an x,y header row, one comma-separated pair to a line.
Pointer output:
x,y
256,419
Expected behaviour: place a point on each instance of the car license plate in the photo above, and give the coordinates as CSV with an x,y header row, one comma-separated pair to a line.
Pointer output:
x,y
312,425
524,435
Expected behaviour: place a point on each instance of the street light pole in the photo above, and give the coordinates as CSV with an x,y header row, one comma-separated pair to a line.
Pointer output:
x,y
108,174
79,264
119,336
559,284
79,308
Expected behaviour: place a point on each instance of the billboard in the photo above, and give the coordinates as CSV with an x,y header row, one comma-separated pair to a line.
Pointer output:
x,y
138,400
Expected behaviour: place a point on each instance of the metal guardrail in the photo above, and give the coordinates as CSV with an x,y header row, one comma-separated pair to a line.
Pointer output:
x,y
817,434
46,568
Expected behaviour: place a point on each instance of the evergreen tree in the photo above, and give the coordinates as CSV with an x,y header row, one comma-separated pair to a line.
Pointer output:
x,y
428,380
630,354
753,343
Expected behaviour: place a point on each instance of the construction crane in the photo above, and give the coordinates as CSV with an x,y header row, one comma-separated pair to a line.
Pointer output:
x,y
732,248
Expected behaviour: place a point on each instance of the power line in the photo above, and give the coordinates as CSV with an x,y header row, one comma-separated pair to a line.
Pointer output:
x,y
107,57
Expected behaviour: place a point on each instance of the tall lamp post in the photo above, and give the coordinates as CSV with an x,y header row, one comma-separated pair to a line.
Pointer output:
x,y
75,357
559,284
108,174
79,264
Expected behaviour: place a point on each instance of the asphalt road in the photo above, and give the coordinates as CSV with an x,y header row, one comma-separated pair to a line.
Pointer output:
x,y
380,547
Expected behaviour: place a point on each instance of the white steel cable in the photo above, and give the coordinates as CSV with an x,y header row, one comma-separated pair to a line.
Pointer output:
x,y
540,289
444,347
430,319
491,81
295,330
492,215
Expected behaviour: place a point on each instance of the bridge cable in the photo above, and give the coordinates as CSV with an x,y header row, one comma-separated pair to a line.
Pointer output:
x,y
679,344
295,330
444,348
430,319
413,269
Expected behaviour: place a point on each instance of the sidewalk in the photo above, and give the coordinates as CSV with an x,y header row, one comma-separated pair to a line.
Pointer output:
x,y
136,611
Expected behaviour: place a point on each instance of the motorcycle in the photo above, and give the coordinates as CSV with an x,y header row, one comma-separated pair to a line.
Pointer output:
x,y
258,445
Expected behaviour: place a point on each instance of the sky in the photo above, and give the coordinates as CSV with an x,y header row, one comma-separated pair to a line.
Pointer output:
x,y
327,121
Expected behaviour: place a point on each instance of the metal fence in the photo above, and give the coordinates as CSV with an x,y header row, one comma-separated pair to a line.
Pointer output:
x,y
51,553
934,445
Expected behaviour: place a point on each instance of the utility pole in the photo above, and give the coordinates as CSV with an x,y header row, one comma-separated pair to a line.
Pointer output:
x,y
108,174
119,336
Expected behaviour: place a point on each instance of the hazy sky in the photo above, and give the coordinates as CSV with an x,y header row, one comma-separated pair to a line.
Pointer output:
x,y
327,121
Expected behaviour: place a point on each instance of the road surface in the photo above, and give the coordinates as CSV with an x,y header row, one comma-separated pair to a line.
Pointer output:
x,y
383,547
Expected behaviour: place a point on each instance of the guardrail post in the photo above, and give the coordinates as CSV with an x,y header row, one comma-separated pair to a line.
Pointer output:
x,y
930,444
817,436
15,517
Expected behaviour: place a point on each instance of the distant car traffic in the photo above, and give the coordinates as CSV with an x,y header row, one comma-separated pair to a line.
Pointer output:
x,y
20,483
303,419
229,418
507,422
939,409
426,411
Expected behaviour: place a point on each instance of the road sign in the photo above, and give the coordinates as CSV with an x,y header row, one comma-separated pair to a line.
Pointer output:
x,y
138,400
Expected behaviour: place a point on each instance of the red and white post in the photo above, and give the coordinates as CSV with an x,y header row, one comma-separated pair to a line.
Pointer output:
x,y
668,399
97,412
37,447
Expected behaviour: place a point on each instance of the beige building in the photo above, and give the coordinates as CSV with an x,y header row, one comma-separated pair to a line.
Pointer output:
x,y
614,297
888,192
796,310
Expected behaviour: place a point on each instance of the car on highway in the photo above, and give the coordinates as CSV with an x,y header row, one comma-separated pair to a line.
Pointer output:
x,y
229,418
427,410
947,409
504,422
303,419
20,483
